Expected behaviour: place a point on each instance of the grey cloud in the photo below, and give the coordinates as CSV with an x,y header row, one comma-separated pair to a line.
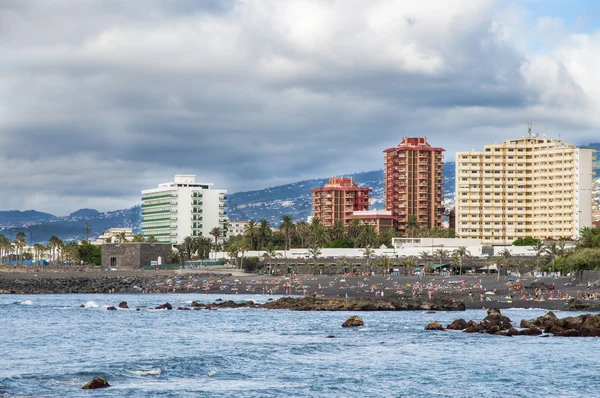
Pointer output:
x,y
108,98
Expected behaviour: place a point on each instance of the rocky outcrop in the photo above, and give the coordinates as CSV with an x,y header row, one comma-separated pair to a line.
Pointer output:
x,y
95,383
435,325
459,324
123,304
587,325
353,321
93,282
311,303
111,308
165,306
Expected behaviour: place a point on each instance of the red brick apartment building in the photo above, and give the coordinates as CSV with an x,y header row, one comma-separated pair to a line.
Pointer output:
x,y
338,199
413,182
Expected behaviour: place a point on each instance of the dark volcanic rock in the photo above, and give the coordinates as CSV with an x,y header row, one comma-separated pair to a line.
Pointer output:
x,y
495,322
459,324
533,331
587,325
95,383
311,303
435,325
165,306
183,309
472,327
111,308
123,304
353,321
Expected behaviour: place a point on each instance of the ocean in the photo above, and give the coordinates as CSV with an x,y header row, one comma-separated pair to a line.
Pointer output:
x,y
50,347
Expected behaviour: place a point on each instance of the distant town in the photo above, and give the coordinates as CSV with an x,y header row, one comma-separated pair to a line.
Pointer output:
x,y
530,196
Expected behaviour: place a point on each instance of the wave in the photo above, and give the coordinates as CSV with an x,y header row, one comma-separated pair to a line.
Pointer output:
x,y
26,302
91,304
150,372
211,373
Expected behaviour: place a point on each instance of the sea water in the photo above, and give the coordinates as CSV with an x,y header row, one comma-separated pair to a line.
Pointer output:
x,y
49,346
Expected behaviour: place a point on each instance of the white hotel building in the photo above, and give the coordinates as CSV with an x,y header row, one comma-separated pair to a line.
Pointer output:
x,y
533,186
182,208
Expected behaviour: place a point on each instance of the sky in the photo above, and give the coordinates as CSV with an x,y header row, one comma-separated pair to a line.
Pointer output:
x,y
101,99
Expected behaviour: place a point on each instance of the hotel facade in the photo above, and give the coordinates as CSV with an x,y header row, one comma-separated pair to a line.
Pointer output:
x,y
413,183
182,208
533,186
338,200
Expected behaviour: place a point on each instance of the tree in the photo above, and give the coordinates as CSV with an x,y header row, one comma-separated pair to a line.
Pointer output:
x,y
264,232
412,226
553,251
20,243
138,238
539,250
216,233
4,247
425,256
338,231
314,252
385,237
202,246
319,236
90,254
303,232
251,232
121,238
187,247
151,238
409,262
354,230
287,227
367,236
462,252
442,254
53,245
368,252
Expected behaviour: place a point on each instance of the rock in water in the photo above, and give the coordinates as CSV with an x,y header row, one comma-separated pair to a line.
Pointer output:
x,y
123,304
95,383
459,324
435,325
111,308
165,306
353,321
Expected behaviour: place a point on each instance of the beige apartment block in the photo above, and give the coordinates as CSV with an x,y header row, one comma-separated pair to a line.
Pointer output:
x,y
532,186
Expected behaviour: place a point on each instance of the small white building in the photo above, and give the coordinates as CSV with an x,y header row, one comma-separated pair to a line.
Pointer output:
x,y
236,228
184,207
113,234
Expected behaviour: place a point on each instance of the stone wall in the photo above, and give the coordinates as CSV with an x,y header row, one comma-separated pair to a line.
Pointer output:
x,y
135,254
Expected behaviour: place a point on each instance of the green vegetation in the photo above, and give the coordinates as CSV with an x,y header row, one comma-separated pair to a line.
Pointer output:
x,y
527,241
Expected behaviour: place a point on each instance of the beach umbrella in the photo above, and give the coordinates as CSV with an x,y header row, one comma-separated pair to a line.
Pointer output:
x,y
219,281
511,279
211,281
178,281
195,280
395,283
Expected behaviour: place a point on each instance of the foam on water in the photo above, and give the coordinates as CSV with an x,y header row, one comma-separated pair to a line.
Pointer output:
x,y
91,304
26,302
149,372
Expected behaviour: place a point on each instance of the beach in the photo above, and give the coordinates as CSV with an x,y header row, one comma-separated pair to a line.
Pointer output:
x,y
480,291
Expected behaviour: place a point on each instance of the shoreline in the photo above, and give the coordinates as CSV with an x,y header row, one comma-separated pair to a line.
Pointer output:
x,y
476,292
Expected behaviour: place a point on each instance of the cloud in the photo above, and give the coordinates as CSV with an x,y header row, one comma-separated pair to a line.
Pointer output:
x,y
102,99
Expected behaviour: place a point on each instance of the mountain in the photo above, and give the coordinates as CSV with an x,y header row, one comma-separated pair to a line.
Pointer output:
x,y
15,217
85,213
72,227
296,199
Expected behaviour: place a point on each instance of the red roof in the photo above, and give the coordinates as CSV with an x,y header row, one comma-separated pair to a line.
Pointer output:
x,y
414,144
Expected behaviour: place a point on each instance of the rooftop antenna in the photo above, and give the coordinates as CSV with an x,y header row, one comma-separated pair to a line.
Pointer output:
x,y
87,231
529,129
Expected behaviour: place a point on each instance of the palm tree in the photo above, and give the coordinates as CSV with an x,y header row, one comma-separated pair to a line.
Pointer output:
x,y
586,237
539,250
303,232
151,238
319,236
121,238
244,246
441,254
53,243
138,238
410,262
367,236
368,252
425,256
553,251
287,227
20,243
202,245
216,233
187,247
4,247
462,252
354,230
264,232
314,252
343,261
251,232
412,226
338,231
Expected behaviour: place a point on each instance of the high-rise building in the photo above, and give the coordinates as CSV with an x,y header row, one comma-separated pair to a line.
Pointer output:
x,y
182,208
532,186
413,183
338,199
